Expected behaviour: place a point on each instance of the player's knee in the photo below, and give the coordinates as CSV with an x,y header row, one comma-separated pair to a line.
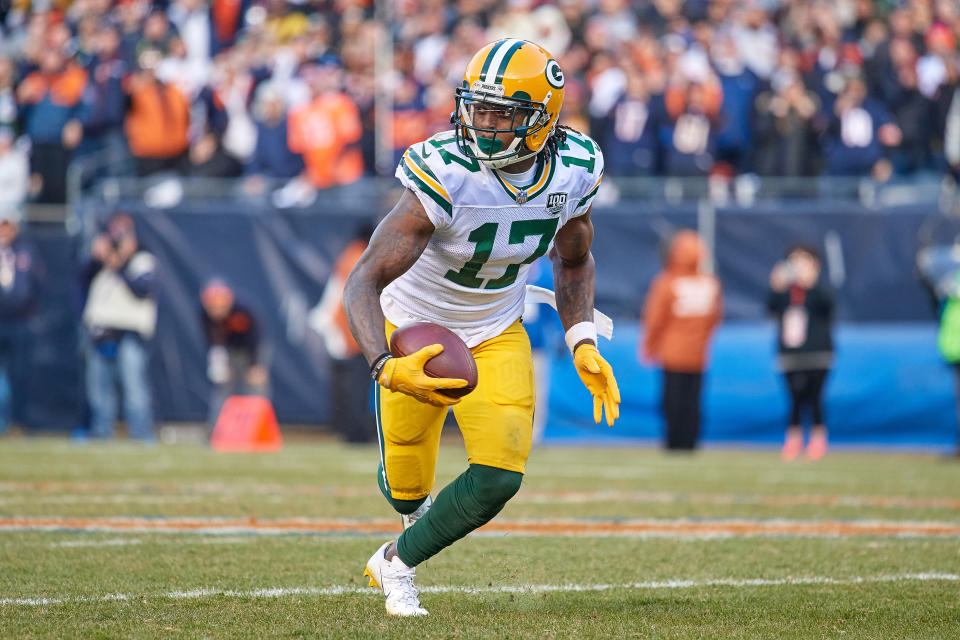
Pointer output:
x,y
494,487
404,507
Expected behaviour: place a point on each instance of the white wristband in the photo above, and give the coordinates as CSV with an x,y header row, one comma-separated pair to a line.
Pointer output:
x,y
581,331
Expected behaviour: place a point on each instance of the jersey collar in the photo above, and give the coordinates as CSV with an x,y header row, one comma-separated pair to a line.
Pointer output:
x,y
541,180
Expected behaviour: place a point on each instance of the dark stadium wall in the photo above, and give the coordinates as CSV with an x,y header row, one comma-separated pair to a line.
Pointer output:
x,y
279,262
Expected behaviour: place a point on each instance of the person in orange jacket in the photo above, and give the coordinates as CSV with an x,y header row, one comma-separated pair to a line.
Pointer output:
x,y
351,414
682,308
326,131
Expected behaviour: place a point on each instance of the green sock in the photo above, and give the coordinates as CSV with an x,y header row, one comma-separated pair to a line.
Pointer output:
x,y
405,507
470,501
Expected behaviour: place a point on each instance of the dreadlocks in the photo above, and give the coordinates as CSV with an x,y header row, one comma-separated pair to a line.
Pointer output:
x,y
558,138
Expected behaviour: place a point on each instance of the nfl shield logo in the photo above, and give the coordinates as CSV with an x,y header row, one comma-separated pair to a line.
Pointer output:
x,y
556,202
521,196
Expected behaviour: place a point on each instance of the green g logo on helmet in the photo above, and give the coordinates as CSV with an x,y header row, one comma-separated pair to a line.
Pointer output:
x,y
554,74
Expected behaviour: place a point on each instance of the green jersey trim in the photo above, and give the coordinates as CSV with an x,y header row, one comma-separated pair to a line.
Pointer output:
x,y
417,170
540,182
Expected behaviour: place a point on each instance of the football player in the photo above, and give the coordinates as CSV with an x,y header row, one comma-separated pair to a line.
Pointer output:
x,y
482,202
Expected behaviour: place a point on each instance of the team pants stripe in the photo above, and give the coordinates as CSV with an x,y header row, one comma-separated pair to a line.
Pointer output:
x,y
383,458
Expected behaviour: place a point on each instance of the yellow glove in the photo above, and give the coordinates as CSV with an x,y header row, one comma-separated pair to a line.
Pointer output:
x,y
406,375
597,376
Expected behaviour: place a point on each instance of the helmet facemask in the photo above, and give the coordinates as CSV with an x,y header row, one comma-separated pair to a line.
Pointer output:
x,y
488,145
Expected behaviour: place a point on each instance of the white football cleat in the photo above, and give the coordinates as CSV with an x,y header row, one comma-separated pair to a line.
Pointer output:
x,y
395,580
410,518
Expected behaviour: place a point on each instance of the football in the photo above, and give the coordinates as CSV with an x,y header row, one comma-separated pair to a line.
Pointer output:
x,y
456,360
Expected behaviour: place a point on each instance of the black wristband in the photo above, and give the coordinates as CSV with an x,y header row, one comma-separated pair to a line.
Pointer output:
x,y
378,365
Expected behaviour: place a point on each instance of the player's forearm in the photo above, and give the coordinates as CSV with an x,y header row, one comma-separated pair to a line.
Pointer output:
x,y
361,301
574,284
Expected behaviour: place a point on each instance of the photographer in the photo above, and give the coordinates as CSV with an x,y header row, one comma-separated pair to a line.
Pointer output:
x,y
119,315
803,306
236,362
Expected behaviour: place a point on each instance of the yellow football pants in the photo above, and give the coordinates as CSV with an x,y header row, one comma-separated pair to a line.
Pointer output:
x,y
496,418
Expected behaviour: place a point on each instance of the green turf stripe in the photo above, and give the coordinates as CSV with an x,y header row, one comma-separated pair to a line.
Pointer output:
x,y
490,56
436,197
506,60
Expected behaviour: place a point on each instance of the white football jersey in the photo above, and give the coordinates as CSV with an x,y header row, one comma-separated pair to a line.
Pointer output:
x,y
471,276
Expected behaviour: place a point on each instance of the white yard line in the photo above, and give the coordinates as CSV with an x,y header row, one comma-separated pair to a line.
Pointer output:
x,y
678,583
108,499
124,542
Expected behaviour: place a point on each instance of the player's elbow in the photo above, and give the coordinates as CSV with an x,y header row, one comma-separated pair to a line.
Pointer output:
x,y
571,260
364,276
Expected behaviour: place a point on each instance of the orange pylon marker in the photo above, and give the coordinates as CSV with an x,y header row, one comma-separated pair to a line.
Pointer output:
x,y
246,424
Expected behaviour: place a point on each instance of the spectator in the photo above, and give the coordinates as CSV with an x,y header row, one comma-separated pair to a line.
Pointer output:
x,y
157,34
682,308
948,119
272,158
914,114
129,16
235,356
185,74
157,120
948,339
739,86
409,111
326,129
803,306
14,171
939,270
225,19
192,21
858,132
784,132
931,69
8,97
20,274
689,136
229,138
756,38
632,130
106,102
350,413
722,52
53,112
120,316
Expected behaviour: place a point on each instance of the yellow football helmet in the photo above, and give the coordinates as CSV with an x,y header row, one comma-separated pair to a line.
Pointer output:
x,y
519,80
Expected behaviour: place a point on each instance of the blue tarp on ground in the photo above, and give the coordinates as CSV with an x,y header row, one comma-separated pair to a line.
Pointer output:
x,y
888,387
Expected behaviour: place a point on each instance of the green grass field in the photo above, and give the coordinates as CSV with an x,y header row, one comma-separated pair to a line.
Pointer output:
x,y
120,541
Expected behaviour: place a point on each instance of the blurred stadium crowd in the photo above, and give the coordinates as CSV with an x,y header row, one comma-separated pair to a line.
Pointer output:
x,y
282,89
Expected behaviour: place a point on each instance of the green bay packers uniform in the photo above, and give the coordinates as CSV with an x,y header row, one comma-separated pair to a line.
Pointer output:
x,y
471,279
489,227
